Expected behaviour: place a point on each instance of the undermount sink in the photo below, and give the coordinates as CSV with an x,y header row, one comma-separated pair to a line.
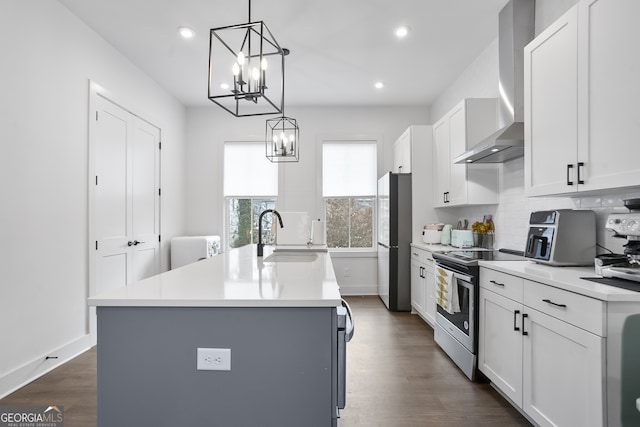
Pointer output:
x,y
291,257
300,248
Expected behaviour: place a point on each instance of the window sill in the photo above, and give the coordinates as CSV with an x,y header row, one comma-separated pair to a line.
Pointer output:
x,y
353,253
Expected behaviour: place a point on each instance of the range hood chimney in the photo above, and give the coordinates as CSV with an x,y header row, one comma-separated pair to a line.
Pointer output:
x,y
515,31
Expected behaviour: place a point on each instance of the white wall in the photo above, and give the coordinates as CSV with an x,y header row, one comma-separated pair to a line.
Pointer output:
x,y
300,189
48,58
511,216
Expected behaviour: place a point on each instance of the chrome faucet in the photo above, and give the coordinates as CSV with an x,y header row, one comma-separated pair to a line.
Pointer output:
x,y
260,244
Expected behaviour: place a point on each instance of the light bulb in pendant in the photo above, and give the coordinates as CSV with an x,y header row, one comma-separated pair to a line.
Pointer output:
x,y
255,74
263,64
241,58
235,69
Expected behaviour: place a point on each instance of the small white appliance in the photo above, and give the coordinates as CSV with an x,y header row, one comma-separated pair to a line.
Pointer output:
x,y
432,234
188,249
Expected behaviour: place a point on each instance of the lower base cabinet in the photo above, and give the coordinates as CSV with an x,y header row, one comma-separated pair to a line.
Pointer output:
x,y
423,299
549,367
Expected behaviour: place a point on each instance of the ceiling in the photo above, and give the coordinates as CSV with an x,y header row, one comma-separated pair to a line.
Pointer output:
x,y
339,48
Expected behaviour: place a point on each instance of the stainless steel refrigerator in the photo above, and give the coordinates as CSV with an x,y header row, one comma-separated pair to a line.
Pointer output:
x,y
394,238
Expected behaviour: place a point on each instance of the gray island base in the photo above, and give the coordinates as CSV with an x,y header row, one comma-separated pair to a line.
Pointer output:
x,y
278,320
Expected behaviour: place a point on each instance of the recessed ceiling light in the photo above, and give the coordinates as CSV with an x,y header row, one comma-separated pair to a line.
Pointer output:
x,y
378,85
402,32
186,32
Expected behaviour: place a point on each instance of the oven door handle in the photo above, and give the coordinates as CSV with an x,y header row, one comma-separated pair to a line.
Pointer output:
x,y
455,274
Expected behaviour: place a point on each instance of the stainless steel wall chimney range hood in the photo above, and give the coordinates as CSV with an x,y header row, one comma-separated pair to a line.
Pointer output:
x,y
515,30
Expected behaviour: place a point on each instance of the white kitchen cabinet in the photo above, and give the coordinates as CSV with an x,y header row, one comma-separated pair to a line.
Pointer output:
x,y
547,360
562,372
418,288
430,289
500,343
461,128
580,89
402,153
415,144
423,284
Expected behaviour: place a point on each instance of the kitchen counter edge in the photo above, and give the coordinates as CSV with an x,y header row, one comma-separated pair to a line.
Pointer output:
x,y
567,278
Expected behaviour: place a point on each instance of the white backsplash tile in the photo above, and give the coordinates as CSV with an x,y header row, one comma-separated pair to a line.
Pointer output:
x,y
511,216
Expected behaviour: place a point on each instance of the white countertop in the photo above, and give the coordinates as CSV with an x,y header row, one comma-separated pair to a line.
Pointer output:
x,y
567,278
444,248
237,278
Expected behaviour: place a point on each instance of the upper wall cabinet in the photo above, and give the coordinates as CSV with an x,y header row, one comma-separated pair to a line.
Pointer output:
x,y
402,153
412,154
456,185
581,87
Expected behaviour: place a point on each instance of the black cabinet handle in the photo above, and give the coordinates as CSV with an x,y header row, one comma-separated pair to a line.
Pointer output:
x,y
580,166
496,283
569,167
515,319
524,316
548,301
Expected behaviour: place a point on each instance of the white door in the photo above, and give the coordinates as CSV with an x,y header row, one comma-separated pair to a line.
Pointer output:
x,y
551,108
500,343
609,89
562,373
125,204
441,162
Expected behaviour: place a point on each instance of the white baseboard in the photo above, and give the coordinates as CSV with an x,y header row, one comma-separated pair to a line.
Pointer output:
x,y
353,290
30,371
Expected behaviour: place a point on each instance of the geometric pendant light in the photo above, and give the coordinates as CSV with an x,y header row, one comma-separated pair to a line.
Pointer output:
x,y
246,69
281,140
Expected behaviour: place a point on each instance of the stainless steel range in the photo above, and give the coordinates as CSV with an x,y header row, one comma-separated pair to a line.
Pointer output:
x,y
457,286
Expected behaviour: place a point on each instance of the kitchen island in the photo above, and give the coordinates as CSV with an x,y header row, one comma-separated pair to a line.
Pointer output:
x,y
276,319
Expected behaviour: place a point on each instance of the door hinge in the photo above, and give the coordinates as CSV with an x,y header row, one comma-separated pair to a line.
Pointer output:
x,y
96,245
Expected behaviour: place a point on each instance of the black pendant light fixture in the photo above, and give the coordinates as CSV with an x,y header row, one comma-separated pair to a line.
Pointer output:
x,y
246,69
281,140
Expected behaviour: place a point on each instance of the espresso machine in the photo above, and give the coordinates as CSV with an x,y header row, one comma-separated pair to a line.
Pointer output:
x,y
626,225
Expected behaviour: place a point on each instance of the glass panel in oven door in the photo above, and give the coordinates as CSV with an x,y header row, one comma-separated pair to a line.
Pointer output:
x,y
460,324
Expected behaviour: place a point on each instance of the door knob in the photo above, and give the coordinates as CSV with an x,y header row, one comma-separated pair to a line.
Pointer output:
x,y
134,243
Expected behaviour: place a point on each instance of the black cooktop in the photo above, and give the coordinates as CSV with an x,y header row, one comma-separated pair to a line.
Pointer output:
x,y
471,256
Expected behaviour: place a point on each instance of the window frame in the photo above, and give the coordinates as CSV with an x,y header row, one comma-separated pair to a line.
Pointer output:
x,y
226,197
350,251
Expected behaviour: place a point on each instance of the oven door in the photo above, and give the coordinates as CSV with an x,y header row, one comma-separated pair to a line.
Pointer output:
x,y
460,325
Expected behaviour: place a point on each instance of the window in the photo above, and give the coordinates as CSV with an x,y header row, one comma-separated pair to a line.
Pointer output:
x,y
349,187
250,187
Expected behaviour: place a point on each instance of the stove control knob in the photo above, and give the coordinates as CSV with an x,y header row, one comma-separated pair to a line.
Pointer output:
x,y
632,224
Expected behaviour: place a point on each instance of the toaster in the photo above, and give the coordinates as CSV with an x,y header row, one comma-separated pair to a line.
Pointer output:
x,y
562,237
462,238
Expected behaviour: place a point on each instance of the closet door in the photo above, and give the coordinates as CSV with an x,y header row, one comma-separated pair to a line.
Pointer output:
x,y
125,202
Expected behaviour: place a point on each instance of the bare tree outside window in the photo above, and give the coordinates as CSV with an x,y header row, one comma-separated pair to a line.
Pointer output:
x,y
243,215
349,222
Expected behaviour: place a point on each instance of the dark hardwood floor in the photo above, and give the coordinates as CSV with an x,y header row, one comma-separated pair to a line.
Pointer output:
x,y
397,377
